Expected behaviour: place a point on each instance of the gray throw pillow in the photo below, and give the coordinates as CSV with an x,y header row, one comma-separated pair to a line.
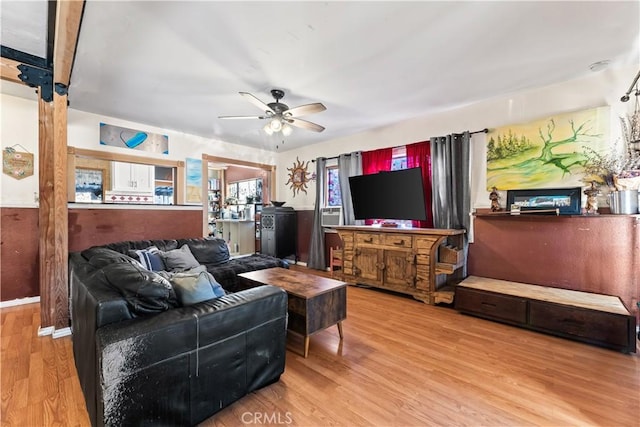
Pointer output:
x,y
195,286
179,259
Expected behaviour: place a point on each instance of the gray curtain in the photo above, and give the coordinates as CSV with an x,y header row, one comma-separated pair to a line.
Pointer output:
x,y
348,165
451,180
316,248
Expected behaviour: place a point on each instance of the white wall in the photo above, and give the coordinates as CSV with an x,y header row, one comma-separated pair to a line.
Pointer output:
x,y
594,90
19,124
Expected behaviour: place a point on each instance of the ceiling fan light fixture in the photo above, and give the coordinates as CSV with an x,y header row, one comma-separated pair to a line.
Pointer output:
x,y
275,125
281,118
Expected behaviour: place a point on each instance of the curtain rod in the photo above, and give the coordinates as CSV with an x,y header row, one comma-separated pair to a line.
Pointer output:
x,y
625,98
334,157
485,130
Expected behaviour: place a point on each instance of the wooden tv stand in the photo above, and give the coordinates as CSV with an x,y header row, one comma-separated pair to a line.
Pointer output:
x,y
583,316
405,260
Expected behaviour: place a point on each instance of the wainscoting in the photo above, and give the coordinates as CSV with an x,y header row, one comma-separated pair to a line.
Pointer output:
x,y
19,276
90,227
587,253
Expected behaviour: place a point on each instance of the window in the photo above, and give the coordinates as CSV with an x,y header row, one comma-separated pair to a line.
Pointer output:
x,y
399,158
333,196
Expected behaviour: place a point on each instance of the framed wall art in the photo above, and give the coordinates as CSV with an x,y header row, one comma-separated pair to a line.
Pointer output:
x,y
117,136
565,200
547,153
193,171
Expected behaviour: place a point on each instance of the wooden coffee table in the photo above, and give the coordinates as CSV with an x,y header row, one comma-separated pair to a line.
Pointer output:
x,y
315,302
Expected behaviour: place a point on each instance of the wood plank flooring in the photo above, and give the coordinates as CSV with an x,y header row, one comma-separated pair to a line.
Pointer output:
x,y
401,363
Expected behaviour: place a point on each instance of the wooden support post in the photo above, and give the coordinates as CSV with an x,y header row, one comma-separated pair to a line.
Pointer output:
x,y
53,222
45,219
60,285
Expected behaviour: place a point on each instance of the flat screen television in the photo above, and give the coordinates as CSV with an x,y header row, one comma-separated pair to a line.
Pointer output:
x,y
389,195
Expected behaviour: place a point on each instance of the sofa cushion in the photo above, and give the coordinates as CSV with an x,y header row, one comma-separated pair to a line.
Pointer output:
x,y
144,291
210,251
128,245
195,285
226,274
99,257
179,259
149,258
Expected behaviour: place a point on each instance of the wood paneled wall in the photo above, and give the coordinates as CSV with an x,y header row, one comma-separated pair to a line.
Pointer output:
x,y
19,272
19,237
598,254
89,227
305,225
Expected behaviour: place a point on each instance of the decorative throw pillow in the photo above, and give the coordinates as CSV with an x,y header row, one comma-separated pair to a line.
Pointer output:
x,y
146,292
100,257
210,251
149,258
195,286
179,259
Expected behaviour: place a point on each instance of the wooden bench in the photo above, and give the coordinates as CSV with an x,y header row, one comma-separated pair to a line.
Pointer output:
x,y
592,318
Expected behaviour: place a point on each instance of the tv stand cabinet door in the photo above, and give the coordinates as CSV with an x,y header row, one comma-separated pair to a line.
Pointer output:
x,y
368,265
399,269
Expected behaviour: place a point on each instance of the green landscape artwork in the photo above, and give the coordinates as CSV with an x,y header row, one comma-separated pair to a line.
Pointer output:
x,y
547,153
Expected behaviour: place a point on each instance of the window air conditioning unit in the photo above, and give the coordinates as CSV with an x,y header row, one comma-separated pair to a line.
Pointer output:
x,y
331,216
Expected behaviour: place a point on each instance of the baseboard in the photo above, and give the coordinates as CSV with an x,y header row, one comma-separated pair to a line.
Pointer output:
x,y
55,333
19,301
59,333
304,264
43,332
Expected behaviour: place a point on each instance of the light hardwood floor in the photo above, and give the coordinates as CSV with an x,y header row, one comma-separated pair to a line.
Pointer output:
x,y
401,363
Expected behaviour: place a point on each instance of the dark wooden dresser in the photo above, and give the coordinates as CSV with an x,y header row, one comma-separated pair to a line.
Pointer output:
x,y
591,318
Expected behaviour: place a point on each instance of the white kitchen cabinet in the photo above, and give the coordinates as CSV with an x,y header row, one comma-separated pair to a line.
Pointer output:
x,y
132,177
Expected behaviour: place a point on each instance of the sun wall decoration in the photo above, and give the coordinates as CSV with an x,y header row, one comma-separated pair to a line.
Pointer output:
x,y
298,177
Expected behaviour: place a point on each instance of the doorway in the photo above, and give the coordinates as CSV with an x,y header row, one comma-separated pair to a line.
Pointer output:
x,y
235,191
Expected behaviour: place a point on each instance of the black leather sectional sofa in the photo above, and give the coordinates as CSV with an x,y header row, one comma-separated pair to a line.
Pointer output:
x,y
145,359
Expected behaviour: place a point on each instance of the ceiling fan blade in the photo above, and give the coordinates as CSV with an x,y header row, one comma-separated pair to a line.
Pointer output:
x,y
303,110
241,117
304,124
255,101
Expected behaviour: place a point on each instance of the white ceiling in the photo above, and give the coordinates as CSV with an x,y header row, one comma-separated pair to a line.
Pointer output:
x,y
179,65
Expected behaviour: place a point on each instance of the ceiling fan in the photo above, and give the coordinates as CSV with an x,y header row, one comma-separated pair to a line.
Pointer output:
x,y
280,116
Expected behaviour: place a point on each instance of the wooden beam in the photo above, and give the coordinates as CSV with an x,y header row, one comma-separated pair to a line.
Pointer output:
x,y
68,18
119,157
46,220
60,252
9,70
53,214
